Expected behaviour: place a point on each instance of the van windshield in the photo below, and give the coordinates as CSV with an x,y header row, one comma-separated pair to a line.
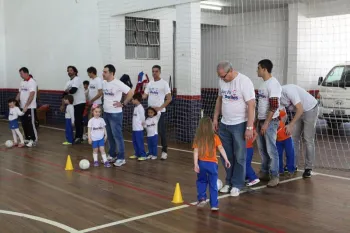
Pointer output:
x,y
339,76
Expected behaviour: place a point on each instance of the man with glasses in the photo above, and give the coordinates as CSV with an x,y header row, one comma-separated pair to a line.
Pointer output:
x,y
157,91
236,103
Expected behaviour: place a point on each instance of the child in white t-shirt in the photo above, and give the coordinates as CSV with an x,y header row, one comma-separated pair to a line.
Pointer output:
x,y
97,135
69,119
151,125
13,121
138,120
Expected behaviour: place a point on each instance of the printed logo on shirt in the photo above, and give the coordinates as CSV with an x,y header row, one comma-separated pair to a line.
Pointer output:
x,y
230,95
151,125
97,128
92,87
261,94
153,91
23,88
108,92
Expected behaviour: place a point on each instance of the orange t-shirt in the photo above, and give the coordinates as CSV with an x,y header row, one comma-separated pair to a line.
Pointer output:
x,y
281,131
210,156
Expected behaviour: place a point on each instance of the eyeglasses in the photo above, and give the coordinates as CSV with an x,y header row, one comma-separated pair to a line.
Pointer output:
x,y
224,76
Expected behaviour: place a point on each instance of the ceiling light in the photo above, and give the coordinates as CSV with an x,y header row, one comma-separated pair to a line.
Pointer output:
x,y
212,3
216,8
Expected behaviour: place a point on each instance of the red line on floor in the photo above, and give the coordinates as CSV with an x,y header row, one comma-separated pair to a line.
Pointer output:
x,y
229,216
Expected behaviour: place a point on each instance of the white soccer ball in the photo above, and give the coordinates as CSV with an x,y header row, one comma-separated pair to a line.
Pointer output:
x,y
9,144
84,164
219,184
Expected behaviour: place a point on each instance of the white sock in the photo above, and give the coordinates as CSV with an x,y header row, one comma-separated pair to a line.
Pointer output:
x,y
20,135
14,136
104,157
95,157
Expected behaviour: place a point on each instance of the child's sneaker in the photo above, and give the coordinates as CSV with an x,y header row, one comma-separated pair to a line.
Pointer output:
x,y
154,157
133,157
214,208
234,192
164,155
253,182
66,143
110,159
142,159
201,203
119,162
225,189
31,143
96,164
107,164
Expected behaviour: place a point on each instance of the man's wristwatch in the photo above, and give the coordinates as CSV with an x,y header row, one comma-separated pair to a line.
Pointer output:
x,y
250,128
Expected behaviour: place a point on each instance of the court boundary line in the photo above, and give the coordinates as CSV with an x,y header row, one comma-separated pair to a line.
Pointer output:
x,y
159,212
40,219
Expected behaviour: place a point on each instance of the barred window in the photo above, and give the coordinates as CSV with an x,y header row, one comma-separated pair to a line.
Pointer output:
x,y
142,38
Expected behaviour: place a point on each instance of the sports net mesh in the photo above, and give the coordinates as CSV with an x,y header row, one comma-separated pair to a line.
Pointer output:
x,y
305,39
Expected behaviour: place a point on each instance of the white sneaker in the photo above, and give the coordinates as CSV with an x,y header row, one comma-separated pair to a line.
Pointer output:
x,y
154,157
164,156
225,189
253,182
31,143
119,162
110,159
234,192
201,203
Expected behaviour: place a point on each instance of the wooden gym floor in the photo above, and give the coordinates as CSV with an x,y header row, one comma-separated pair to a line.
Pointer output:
x,y
38,195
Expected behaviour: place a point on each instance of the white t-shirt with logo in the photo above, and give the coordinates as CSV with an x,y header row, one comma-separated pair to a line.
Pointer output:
x,y
79,95
138,118
269,89
14,113
293,94
97,126
113,92
234,95
156,91
94,86
151,125
25,89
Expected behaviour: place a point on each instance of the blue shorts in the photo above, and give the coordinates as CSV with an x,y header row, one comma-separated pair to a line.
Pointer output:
x,y
98,143
14,124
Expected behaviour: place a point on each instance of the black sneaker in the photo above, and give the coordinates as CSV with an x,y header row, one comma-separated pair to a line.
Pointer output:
x,y
307,173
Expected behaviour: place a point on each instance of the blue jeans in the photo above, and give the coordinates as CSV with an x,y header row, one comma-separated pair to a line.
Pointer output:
x,y
208,173
233,141
288,146
250,173
114,124
139,145
268,149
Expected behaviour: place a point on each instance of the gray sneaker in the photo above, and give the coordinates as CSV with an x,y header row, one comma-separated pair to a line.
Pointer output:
x,y
273,182
264,176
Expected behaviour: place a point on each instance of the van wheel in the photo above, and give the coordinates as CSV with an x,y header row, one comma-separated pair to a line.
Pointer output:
x,y
333,125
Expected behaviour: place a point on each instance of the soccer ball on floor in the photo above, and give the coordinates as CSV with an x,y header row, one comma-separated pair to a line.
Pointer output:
x,y
84,164
219,184
9,144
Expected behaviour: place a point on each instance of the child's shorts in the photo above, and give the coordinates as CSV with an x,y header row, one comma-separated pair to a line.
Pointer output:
x,y
98,143
13,124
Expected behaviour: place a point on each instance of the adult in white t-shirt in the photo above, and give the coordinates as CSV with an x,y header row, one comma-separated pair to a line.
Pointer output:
x,y
236,103
27,98
269,95
303,125
157,91
75,88
95,87
113,90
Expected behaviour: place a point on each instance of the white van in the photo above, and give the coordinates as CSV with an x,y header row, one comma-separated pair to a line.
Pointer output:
x,y
334,96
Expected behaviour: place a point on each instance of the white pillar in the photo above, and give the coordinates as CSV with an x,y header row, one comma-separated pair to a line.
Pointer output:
x,y
2,45
188,49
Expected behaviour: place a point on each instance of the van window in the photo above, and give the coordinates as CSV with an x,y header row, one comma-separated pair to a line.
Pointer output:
x,y
334,77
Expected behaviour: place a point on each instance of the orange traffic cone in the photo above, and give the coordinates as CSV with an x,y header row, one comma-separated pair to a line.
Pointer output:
x,y
69,165
177,199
